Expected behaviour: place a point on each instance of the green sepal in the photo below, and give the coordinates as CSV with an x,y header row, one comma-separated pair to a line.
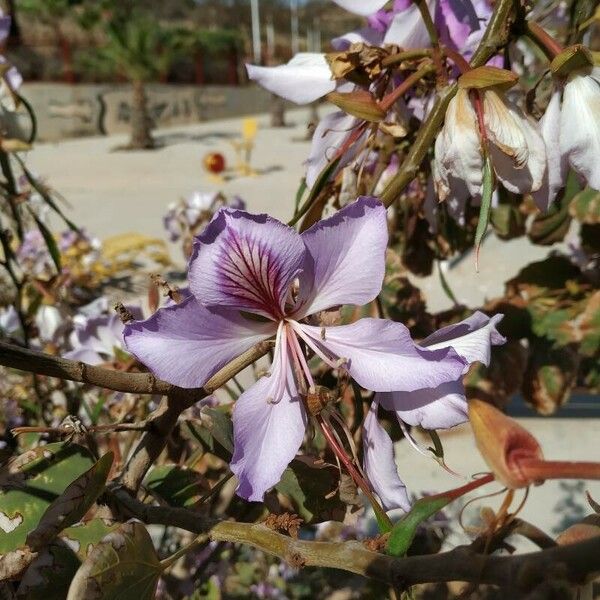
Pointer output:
x,y
486,77
571,59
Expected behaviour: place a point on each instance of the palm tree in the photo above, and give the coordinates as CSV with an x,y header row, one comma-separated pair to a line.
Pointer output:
x,y
140,49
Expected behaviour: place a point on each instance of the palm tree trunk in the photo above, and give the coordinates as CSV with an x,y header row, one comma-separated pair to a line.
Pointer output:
x,y
277,111
141,125
14,37
66,55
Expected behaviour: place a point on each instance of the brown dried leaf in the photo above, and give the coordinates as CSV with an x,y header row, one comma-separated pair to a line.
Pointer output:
x,y
288,523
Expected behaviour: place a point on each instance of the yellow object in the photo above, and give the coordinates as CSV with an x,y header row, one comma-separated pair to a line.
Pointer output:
x,y
243,147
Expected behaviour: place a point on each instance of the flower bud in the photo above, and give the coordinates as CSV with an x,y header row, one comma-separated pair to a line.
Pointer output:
x,y
503,443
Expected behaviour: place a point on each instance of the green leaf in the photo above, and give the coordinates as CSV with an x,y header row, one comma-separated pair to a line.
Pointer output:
x,y
585,207
50,241
124,564
51,572
72,504
404,531
176,485
31,482
486,203
214,431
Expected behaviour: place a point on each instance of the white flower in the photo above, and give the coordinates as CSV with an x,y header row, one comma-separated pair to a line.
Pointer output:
x,y
50,323
516,149
305,78
571,132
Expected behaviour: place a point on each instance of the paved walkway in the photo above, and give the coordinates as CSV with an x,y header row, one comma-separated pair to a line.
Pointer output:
x,y
114,192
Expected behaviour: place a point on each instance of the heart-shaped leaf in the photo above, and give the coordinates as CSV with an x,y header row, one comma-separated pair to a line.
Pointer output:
x,y
124,564
31,482
51,572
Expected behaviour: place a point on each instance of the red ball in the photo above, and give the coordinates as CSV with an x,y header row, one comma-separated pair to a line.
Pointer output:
x,y
214,162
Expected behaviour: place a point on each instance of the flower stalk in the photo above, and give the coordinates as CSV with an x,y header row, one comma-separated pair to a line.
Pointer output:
x,y
435,40
382,519
388,101
543,39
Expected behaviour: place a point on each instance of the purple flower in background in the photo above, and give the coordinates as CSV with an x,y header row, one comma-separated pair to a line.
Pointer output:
x,y
460,24
97,337
195,210
251,278
33,255
436,407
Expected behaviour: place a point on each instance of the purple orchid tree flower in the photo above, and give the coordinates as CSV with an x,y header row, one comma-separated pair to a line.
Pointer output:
x,y
252,278
439,407
460,24
96,337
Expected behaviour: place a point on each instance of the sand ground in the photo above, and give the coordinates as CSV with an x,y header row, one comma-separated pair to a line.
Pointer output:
x,y
113,192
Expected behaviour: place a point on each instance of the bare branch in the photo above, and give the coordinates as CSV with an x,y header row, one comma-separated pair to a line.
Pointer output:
x,y
120,381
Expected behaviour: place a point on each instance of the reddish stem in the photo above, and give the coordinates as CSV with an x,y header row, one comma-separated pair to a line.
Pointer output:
x,y
352,470
543,39
478,105
387,101
458,59
465,489
534,469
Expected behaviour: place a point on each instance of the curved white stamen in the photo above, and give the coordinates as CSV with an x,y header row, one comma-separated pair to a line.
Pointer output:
x,y
412,441
301,359
313,346
281,357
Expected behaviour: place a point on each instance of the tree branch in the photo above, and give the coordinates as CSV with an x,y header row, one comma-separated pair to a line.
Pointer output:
x,y
40,363
522,572
574,563
160,423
